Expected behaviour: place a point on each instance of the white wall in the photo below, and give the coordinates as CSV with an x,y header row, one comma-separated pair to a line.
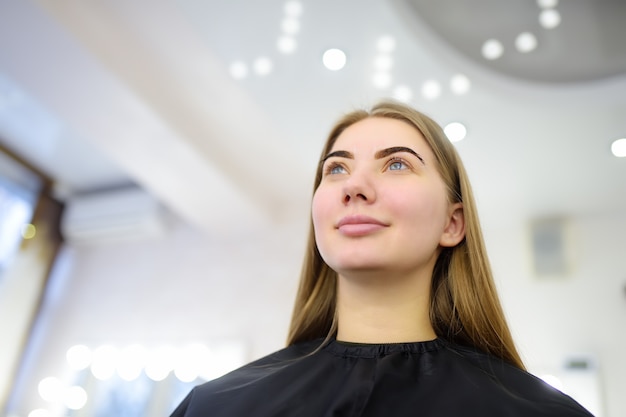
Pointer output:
x,y
582,313
192,288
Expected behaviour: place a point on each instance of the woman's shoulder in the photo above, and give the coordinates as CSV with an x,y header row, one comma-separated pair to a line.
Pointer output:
x,y
512,384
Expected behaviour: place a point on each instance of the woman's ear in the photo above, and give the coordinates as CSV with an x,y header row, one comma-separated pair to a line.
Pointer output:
x,y
454,232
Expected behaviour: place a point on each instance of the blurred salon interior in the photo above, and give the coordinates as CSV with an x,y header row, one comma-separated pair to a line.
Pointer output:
x,y
157,160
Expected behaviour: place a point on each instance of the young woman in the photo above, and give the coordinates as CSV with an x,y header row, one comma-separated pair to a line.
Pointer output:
x,y
397,312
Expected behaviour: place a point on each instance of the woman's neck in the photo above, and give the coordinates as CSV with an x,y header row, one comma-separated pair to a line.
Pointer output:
x,y
383,309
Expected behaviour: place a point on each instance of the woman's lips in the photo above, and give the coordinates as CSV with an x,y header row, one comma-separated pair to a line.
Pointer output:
x,y
359,225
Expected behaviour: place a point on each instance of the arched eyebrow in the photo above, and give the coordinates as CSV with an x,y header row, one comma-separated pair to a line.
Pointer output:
x,y
340,154
395,149
379,155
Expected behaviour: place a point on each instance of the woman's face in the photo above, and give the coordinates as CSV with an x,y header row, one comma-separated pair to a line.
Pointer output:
x,y
381,204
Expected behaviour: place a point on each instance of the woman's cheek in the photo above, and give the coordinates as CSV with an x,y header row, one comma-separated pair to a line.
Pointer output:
x,y
319,210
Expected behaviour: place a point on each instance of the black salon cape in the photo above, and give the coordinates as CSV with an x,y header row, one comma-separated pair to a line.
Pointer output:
x,y
433,378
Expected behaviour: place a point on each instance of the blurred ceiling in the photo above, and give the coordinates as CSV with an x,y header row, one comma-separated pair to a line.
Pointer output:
x,y
100,94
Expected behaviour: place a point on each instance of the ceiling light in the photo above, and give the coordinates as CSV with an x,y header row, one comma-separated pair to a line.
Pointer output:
x,y
431,89
290,26
547,4
525,42
262,66
618,148
383,62
386,43
238,70
460,84
492,49
334,59
382,79
293,8
455,131
549,18
286,44
403,93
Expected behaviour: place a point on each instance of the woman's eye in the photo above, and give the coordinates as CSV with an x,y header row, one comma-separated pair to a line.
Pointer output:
x,y
396,165
334,169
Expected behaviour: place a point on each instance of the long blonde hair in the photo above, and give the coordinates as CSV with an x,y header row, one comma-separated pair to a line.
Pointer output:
x,y
464,304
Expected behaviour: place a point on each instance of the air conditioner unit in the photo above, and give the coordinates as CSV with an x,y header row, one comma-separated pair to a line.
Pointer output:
x,y
113,216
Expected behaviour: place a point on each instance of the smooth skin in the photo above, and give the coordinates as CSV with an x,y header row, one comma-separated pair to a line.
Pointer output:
x,y
381,215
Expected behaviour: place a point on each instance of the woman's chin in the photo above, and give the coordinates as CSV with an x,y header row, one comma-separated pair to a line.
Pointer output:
x,y
365,267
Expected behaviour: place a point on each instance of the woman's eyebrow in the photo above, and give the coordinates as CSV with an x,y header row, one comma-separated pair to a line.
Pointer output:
x,y
341,154
394,149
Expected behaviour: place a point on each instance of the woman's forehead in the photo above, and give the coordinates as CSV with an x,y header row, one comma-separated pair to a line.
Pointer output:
x,y
372,134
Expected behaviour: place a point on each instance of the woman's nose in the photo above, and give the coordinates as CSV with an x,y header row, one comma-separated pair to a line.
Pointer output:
x,y
358,188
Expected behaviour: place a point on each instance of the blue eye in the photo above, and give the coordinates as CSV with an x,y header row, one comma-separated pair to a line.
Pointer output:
x,y
334,169
397,165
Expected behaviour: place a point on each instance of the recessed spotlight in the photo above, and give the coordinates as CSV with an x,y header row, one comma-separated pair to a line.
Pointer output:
x,y
334,59
293,8
286,44
492,49
290,26
525,42
403,93
549,18
262,66
547,4
382,79
383,62
618,148
386,44
460,84
431,89
238,70
455,131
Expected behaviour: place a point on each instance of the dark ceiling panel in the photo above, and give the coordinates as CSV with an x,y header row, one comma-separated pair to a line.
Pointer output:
x,y
589,44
